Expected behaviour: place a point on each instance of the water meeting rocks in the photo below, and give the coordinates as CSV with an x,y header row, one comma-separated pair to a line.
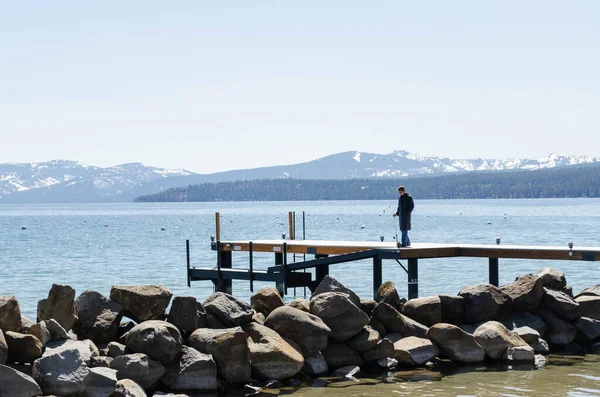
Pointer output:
x,y
265,300
526,292
143,302
306,330
456,344
98,317
495,338
191,370
229,310
160,340
14,383
60,306
426,310
396,322
139,368
484,302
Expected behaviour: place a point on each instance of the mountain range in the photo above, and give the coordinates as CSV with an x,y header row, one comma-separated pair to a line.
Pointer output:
x,y
63,181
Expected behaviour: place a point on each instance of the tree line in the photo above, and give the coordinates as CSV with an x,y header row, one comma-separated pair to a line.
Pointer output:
x,y
573,181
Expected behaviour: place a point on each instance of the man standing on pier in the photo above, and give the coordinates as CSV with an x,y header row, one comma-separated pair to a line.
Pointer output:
x,y
405,208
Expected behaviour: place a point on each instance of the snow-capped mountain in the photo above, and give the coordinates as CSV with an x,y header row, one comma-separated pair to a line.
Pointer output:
x,y
71,181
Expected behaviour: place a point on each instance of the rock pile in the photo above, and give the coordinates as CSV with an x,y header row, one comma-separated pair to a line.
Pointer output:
x,y
81,347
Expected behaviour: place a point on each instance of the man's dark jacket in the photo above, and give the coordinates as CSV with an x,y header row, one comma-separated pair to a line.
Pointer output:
x,y
405,207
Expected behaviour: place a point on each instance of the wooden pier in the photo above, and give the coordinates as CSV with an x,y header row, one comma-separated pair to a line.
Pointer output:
x,y
326,253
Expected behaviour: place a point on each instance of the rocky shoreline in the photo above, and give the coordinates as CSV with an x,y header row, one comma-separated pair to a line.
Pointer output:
x,y
81,347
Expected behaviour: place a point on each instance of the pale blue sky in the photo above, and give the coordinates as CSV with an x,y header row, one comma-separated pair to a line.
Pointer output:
x,y
211,86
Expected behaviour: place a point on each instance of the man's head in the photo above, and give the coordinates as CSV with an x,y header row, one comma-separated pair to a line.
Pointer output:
x,y
401,190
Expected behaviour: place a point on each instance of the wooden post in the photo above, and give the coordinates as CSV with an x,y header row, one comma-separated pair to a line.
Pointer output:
x,y
218,226
291,225
251,266
187,252
377,275
413,278
225,285
493,270
279,262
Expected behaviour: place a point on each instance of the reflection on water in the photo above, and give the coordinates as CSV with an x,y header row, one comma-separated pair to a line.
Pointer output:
x,y
575,376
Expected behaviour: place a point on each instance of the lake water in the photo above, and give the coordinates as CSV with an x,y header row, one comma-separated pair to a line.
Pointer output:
x,y
94,246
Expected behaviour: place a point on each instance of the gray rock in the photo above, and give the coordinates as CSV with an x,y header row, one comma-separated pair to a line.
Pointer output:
x,y
558,332
315,365
23,348
139,368
265,300
426,310
258,318
596,348
17,384
377,326
453,308
387,293
414,351
26,323
513,321
229,348
343,317
100,382
456,344
396,322
526,292
346,372
271,357
484,302
330,284
528,334
60,306
57,332
128,388
519,354
62,372
159,340
367,306
116,349
383,349
540,347
3,349
100,362
40,331
365,340
86,348
98,317
552,278
187,314
191,370
495,338
142,302
211,321
588,330
589,306
561,304
306,330
339,355
10,314
300,304
228,309
590,291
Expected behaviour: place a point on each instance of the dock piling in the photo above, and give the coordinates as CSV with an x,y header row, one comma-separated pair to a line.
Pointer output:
x,y
413,278
493,270
377,275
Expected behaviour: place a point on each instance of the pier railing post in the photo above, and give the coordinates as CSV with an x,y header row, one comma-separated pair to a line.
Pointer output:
x,y
251,275
493,270
413,278
187,254
377,275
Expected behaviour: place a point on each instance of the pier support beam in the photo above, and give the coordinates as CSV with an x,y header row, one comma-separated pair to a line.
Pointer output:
x,y
279,262
377,275
225,263
493,269
413,278
321,271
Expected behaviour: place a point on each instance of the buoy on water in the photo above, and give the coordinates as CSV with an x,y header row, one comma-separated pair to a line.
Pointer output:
x,y
162,229
489,223
362,226
23,227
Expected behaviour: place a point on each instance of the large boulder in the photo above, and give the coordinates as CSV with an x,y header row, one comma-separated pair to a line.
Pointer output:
x,y
594,290
271,356
128,388
10,314
3,349
414,351
159,340
526,292
495,338
383,349
23,348
229,310
365,339
100,382
330,284
229,348
60,305
187,314
300,304
540,347
98,317
116,349
142,302
588,331
426,310
519,354
26,323
552,278
453,308
396,322
528,334
191,370
40,331
367,306
558,331
387,293
306,330
513,321
484,302
14,383
561,304
589,306
265,300
343,317
62,372
139,368
86,348
456,344
315,365
339,355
